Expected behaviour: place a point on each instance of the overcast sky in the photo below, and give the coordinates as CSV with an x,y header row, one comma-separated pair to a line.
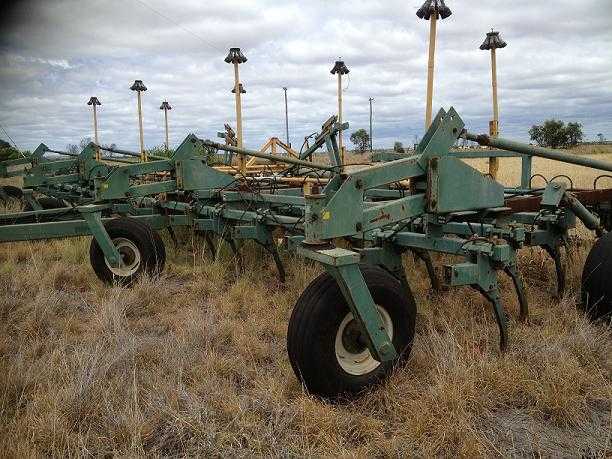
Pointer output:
x,y
55,54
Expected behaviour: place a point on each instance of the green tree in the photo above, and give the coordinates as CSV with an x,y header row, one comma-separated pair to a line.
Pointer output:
x,y
555,134
72,148
398,147
210,153
361,140
574,133
7,151
77,149
84,142
160,150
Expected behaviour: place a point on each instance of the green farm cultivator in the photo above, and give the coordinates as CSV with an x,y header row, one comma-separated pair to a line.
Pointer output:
x,y
355,321
60,182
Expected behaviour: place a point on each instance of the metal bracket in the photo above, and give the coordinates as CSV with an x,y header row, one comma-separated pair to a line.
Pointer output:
x,y
94,222
361,304
343,265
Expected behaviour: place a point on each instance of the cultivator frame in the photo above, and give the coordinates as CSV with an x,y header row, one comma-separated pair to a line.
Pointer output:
x,y
220,197
430,202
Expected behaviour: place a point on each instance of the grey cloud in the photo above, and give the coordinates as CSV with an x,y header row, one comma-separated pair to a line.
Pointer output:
x,y
59,52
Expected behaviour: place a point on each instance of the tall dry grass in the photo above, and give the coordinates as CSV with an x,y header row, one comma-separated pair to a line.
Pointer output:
x,y
582,177
194,363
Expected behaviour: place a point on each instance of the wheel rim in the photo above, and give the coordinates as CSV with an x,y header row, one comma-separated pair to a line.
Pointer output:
x,y
130,258
352,352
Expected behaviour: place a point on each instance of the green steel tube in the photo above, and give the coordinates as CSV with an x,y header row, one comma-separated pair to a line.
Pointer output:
x,y
273,158
118,160
127,152
64,153
590,221
105,158
510,145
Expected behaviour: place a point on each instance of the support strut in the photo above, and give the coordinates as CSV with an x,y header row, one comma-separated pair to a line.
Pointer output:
x,y
361,304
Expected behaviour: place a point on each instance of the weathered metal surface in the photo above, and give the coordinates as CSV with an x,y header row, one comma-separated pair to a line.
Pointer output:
x,y
532,203
467,190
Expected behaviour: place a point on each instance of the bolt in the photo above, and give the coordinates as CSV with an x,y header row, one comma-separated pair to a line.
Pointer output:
x,y
385,349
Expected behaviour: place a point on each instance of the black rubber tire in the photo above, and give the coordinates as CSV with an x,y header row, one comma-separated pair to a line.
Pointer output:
x,y
314,323
148,242
13,192
596,275
46,203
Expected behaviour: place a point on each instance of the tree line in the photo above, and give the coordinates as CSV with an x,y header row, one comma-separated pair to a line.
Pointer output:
x,y
552,134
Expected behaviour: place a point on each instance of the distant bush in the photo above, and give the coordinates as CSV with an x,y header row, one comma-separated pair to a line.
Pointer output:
x,y
7,151
207,152
555,134
398,147
160,150
361,140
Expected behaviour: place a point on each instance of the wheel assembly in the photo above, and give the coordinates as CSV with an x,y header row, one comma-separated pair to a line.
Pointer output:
x,y
327,347
596,275
140,247
46,203
10,192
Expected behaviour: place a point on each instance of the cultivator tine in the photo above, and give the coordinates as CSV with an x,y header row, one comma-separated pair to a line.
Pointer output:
x,y
277,260
555,254
172,234
237,254
211,245
514,274
268,244
425,257
500,316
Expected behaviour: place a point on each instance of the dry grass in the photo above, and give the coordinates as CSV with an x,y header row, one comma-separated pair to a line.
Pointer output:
x,y
195,363
582,177
592,149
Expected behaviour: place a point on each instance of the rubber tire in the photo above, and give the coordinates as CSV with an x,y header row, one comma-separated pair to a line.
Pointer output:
x,y
46,203
13,192
314,323
596,285
150,244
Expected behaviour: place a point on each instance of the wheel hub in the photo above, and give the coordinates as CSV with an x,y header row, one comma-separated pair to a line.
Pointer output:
x,y
353,339
127,255
130,258
351,345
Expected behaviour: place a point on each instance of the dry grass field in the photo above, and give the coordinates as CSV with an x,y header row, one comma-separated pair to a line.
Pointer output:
x,y
194,363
